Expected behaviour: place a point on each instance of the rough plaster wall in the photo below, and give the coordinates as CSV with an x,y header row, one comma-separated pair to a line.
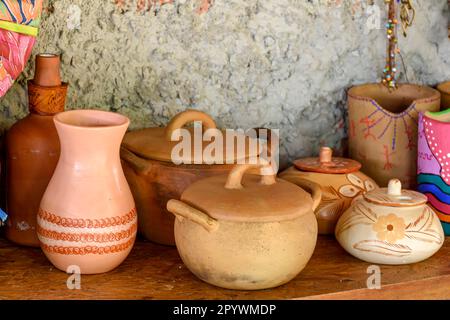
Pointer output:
x,y
275,63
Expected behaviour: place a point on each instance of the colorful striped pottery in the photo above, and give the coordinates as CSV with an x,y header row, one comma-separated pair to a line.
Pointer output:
x,y
433,163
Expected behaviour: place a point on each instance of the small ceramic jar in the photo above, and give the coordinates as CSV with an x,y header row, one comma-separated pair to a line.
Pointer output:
x,y
245,232
340,180
390,226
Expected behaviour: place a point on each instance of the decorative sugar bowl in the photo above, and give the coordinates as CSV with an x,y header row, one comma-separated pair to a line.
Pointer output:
x,y
390,226
245,232
340,180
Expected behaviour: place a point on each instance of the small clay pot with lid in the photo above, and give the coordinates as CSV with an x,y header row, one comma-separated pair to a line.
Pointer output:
x,y
33,150
154,178
390,226
245,231
339,179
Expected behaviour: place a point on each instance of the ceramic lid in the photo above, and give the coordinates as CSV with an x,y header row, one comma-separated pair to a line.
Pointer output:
x,y
156,144
248,197
326,163
394,196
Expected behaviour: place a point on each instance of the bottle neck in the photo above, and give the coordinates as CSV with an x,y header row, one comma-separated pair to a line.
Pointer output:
x,y
46,100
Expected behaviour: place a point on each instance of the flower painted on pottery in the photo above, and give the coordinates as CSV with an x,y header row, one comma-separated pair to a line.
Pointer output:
x,y
356,187
390,228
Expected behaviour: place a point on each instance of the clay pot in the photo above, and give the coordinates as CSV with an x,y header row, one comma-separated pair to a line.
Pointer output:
x,y
87,215
433,169
245,232
383,129
154,178
444,89
33,152
390,226
339,179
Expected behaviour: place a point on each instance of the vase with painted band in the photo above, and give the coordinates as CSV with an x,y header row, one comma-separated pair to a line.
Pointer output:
x,y
339,179
444,89
433,170
383,129
33,150
87,217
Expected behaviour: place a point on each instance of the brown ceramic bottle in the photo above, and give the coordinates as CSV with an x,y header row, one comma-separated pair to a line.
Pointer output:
x,y
33,150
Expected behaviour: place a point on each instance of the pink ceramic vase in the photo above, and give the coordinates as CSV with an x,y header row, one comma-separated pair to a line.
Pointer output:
x,y
87,216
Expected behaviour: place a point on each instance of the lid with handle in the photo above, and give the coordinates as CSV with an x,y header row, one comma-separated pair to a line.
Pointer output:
x,y
326,163
156,143
395,196
244,197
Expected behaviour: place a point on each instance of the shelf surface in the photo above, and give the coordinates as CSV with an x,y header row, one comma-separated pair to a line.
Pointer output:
x,y
156,272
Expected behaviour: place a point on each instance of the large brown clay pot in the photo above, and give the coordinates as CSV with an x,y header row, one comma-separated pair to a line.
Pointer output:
x,y
154,178
245,232
383,129
33,151
339,179
444,89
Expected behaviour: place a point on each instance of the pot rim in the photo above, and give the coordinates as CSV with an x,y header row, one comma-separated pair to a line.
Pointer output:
x,y
434,95
96,120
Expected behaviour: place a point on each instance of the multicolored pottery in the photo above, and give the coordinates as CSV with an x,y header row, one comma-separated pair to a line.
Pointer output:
x,y
433,163
339,179
383,129
390,226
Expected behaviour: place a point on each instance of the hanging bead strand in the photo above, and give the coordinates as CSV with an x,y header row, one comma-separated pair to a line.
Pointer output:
x,y
390,70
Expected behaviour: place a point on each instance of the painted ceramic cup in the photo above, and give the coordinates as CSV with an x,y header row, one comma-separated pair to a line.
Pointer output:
x,y
383,129
433,163
339,179
390,226
87,216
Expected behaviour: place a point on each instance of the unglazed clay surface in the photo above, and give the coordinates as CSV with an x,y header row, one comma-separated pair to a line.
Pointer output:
x,y
276,63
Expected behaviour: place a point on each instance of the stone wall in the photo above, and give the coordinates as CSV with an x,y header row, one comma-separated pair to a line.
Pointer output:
x,y
273,63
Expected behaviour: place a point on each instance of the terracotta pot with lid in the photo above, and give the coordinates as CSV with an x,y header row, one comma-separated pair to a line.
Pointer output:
x,y
154,178
339,179
390,226
245,231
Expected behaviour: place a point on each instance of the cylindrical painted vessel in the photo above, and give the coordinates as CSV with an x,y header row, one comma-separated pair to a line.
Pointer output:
x,y
433,170
87,216
383,129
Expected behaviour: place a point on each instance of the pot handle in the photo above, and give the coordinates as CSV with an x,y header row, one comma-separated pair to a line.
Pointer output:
x,y
139,165
311,187
234,180
183,210
186,117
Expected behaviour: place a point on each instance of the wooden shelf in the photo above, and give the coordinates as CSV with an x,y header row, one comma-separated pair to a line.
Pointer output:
x,y
156,272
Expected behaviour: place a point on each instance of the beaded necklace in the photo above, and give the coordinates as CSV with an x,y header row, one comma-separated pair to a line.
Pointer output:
x,y
407,15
